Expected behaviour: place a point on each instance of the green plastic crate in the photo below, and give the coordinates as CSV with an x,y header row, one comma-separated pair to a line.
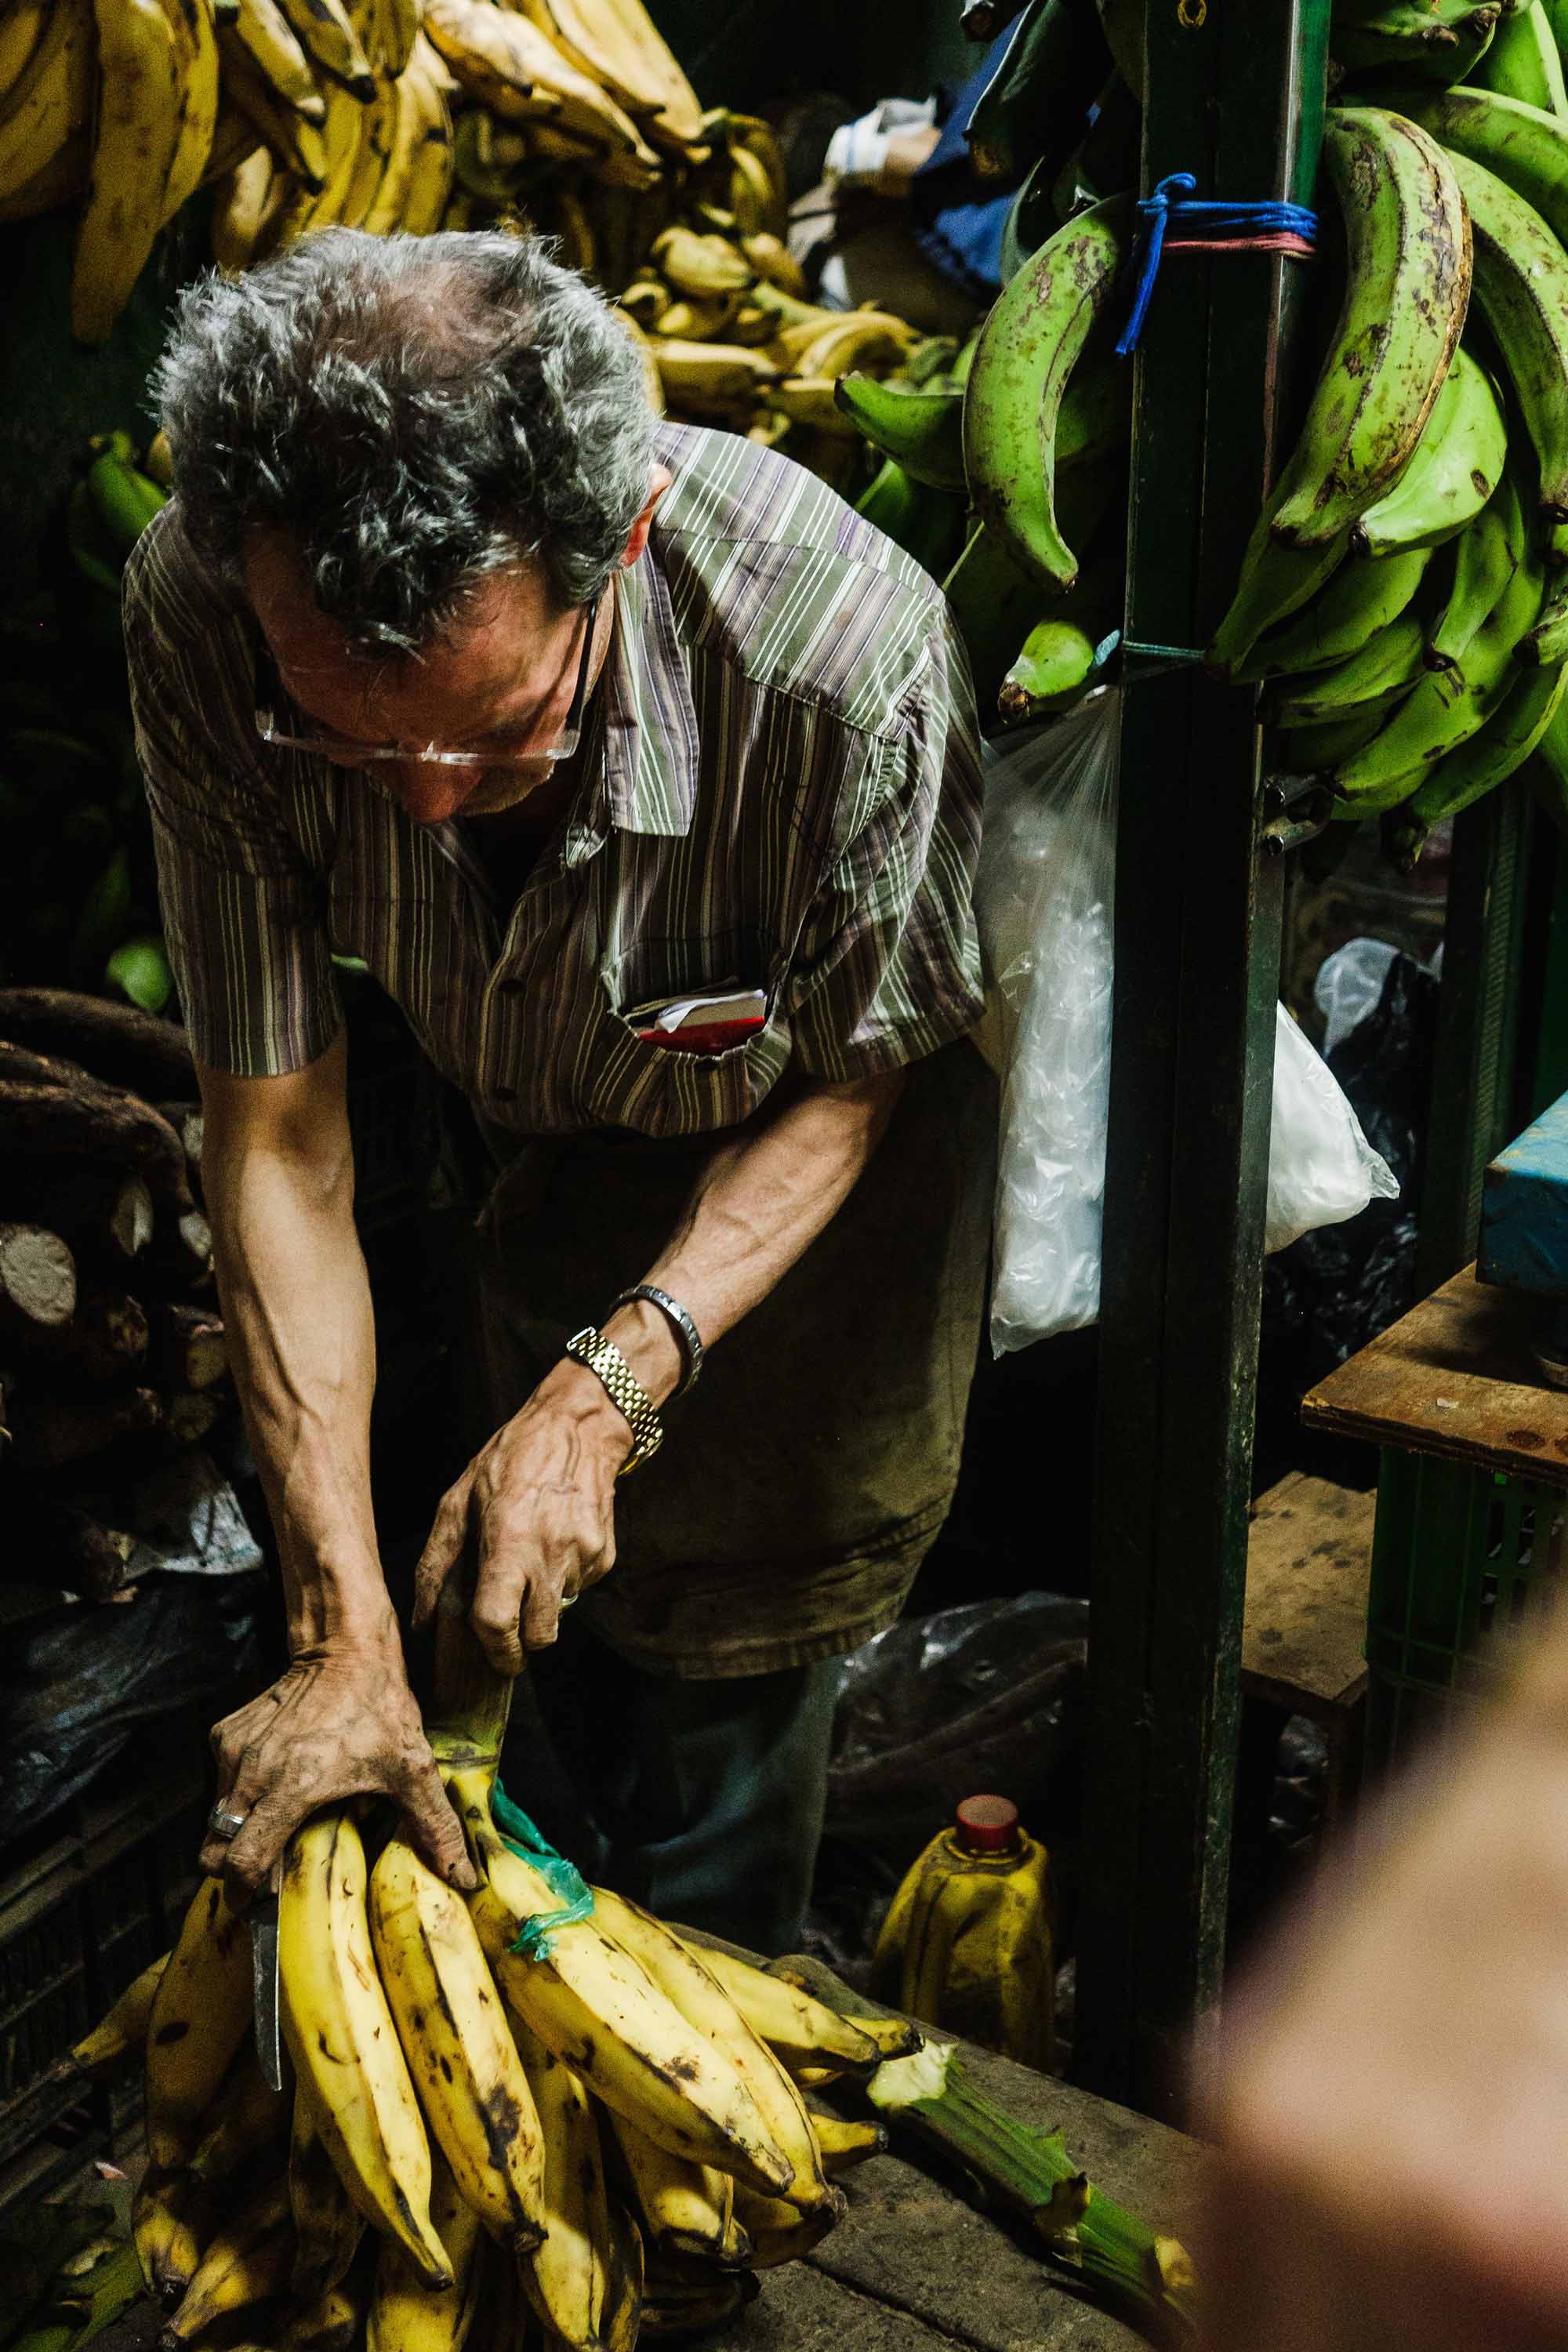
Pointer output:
x,y
1464,1564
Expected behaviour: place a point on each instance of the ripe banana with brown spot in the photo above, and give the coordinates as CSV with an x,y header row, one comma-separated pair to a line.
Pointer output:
x,y
246,2264
590,2003
201,2012
51,98
328,2224
343,2044
617,43
508,63
328,35
123,2034
453,2026
291,135
405,2315
584,2280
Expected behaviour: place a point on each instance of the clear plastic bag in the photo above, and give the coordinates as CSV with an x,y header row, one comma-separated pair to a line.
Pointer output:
x,y
1045,903
1321,1168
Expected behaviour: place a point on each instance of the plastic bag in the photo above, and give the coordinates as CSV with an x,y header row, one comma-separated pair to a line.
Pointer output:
x,y
1321,1168
1045,903
988,1695
76,1682
1349,986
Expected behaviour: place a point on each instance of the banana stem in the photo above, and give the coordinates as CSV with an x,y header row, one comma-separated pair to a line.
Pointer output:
x,y
471,1700
1085,2232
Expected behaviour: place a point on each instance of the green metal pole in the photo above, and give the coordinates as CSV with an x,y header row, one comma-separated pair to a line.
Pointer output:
x,y
1474,1107
1234,96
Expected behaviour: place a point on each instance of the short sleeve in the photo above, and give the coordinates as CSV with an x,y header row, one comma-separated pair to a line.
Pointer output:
x,y
889,967
242,900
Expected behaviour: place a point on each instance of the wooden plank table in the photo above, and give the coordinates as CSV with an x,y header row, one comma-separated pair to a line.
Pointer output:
x,y
1456,1377
1308,1565
913,2269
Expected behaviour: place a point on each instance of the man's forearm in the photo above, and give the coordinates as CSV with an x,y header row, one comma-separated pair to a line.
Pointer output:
x,y
297,1310
762,1200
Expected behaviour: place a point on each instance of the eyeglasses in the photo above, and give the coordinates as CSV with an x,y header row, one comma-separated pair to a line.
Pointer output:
x,y
501,751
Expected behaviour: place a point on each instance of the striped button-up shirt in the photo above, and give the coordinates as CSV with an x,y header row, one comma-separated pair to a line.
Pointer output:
x,y
779,789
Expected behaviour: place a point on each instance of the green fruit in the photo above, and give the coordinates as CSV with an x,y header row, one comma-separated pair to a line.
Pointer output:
x,y
1029,348
1523,61
1380,671
1360,599
139,968
1058,664
1274,582
921,431
927,524
1308,750
1096,416
1456,466
1449,705
126,500
1521,289
994,604
1547,643
1527,709
1408,41
1524,147
1409,282
1485,560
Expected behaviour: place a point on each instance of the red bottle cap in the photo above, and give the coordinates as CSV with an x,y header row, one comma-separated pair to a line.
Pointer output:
x,y
988,1824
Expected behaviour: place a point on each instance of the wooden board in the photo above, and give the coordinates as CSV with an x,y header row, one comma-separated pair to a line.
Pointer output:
x,y
1308,1563
1455,1377
914,2269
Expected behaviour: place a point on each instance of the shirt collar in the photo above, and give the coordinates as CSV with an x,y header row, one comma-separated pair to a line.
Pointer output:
x,y
649,718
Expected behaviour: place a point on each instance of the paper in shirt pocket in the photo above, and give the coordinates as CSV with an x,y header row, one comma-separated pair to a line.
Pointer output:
x,y
701,1024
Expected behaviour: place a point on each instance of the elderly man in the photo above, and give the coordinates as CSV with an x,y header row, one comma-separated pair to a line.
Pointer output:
x,y
447,655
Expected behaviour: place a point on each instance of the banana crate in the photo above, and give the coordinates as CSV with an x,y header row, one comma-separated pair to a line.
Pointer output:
x,y
1465,1563
102,1895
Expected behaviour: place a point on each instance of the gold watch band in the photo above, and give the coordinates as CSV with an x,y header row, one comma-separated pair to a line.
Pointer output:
x,y
607,1364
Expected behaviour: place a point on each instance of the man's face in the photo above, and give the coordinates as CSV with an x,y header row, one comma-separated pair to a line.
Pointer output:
x,y
504,674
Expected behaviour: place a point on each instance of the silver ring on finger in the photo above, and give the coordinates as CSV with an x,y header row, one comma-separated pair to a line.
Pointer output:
x,y
224,1825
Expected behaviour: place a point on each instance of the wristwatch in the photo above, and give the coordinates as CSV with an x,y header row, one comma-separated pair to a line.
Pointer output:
x,y
686,1330
607,1364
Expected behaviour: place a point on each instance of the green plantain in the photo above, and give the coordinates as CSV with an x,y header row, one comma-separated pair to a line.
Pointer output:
x,y
1407,287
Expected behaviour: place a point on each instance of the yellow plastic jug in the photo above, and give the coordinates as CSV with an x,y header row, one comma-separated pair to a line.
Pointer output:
x,y
966,1944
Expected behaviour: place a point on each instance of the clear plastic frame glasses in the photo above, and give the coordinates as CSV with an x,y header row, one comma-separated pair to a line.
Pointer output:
x,y
503,751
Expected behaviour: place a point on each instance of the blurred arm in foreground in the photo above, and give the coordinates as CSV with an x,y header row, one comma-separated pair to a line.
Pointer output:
x,y
1392,2096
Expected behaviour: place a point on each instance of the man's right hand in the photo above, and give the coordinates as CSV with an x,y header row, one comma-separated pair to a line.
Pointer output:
x,y
341,1723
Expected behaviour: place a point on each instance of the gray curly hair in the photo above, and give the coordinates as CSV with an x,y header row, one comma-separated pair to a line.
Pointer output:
x,y
417,413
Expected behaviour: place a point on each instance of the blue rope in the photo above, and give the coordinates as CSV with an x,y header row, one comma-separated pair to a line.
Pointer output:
x,y
520,1836
1160,211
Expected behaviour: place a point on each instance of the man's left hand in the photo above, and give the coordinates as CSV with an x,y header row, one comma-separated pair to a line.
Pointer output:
x,y
538,1502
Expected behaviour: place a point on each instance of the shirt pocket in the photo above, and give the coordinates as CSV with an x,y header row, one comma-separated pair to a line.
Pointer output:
x,y
672,1090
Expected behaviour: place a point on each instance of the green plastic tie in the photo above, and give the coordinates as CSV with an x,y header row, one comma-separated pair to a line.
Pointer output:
x,y
521,1836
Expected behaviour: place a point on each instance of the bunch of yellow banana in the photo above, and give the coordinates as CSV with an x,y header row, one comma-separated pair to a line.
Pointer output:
x,y
498,2105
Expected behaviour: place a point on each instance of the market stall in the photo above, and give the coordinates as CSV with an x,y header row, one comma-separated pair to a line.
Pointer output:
x,y
1235,446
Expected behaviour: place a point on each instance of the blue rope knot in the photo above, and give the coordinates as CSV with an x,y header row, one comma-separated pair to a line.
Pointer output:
x,y
1265,225
521,1836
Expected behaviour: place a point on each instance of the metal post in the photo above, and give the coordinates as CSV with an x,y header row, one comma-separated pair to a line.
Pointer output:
x,y
1235,97
1474,1109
